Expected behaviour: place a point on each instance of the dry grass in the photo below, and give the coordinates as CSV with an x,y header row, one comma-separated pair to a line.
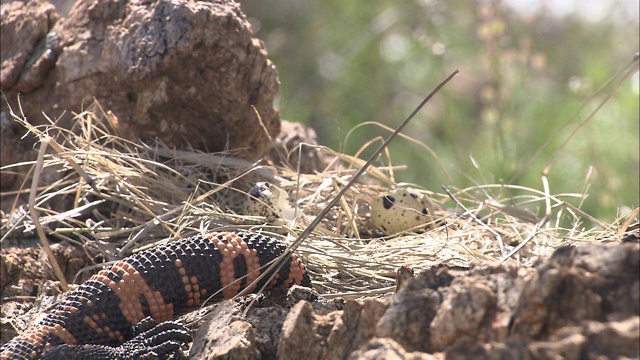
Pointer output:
x,y
112,196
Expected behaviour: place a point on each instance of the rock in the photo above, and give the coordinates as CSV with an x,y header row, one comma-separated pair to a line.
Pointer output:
x,y
402,275
19,269
387,349
328,335
23,31
591,282
303,326
461,316
186,72
580,303
24,266
71,260
410,312
224,335
296,147
23,35
615,339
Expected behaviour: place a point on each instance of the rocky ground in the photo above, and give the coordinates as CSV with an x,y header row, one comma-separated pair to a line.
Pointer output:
x,y
582,303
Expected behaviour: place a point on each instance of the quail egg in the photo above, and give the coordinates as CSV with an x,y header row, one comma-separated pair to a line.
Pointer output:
x,y
271,202
400,210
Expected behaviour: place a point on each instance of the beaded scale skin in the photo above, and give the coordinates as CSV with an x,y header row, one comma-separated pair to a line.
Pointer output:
x,y
160,283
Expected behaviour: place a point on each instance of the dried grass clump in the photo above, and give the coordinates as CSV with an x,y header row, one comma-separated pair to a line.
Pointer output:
x,y
113,196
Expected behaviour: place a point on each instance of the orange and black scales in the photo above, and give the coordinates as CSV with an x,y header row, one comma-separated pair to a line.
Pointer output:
x,y
163,283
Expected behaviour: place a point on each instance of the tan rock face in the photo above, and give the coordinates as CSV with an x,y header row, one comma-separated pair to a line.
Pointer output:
x,y
23,38
182,71
297,147
580,301
24,27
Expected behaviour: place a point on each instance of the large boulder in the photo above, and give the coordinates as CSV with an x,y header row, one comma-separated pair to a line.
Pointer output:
x,y
187,72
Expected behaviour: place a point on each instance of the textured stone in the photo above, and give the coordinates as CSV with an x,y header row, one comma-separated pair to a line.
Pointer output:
x,y
187,72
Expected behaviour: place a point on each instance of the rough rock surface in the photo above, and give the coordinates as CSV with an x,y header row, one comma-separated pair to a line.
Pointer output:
x,y
24,274
225,335
297,148
582,303
181,71
23,31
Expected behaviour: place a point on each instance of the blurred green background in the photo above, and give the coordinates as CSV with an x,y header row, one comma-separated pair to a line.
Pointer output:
x,y
525,68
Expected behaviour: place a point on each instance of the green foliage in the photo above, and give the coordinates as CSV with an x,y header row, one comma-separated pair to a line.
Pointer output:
x,y
522,77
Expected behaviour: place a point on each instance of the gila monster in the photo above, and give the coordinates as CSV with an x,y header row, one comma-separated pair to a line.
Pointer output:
x,y
153,286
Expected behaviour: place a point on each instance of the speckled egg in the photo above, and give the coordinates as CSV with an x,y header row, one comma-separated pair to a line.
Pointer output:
x,y
400,210
268,201
260,202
